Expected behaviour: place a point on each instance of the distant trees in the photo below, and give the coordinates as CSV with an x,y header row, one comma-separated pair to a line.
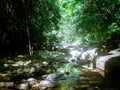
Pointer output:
x,y
23,22
26,24
90,22
99,21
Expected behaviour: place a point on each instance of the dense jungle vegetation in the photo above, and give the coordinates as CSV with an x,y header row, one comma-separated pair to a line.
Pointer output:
x,y
27,25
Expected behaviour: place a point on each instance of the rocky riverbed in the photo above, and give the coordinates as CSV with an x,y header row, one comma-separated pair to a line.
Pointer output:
x,y
26,73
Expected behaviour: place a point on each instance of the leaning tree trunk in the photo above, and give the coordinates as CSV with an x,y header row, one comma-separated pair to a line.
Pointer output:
x,y
30,47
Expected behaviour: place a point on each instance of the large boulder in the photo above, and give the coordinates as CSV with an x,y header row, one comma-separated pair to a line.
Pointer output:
x,y
112,69
101,60
110,65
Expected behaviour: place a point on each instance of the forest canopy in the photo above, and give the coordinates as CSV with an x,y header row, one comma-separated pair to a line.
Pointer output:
x,y
27,24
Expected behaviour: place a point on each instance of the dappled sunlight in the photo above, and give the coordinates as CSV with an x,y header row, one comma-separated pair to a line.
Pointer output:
x,y
75,53
21,63
36,73
59,45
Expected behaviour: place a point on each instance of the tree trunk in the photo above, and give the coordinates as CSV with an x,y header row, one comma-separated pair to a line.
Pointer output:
x,y
30,47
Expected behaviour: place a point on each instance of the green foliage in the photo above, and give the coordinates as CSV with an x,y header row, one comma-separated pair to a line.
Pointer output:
x,y
84,21
43,20
98,19
70,68
38,16
44,54
66,30
45,14
113,28
87,22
